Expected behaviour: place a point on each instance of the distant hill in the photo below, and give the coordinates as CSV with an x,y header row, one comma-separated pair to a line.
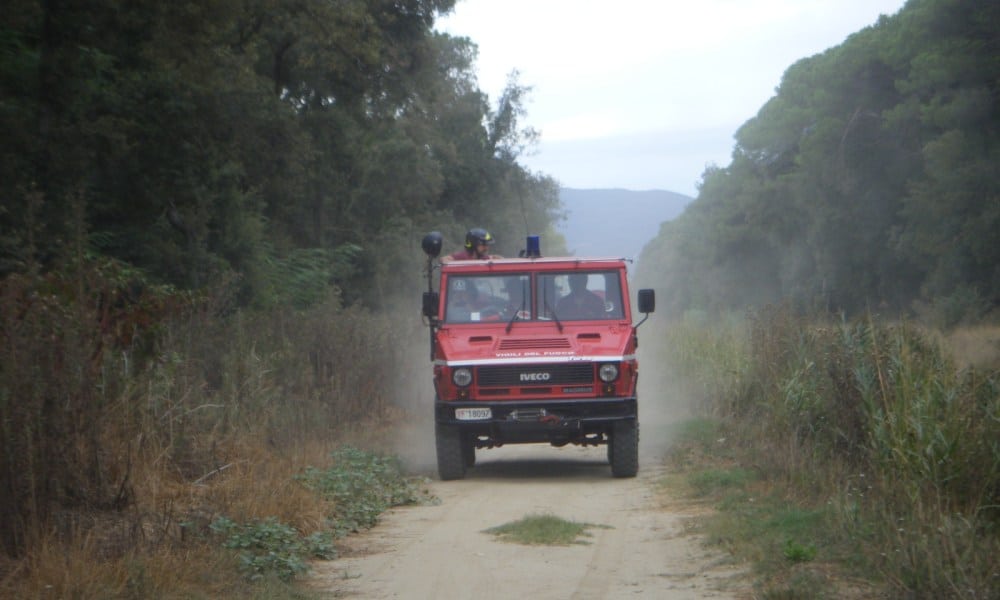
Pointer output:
x,y
616,222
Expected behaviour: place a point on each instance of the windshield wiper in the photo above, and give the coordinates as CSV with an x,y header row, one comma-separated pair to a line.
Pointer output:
x,y
513,318
552,311
517,313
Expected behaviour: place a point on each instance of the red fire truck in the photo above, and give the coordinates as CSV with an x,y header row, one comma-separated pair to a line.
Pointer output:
x,y
533,350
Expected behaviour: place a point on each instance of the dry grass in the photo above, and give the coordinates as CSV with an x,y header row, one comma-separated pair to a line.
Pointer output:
x,y
58,566
161,546
253,482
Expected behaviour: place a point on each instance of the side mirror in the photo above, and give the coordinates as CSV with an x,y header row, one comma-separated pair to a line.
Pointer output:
x,y
431,300
647,301
432,244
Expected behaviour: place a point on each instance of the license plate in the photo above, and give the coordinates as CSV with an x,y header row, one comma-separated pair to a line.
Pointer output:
x,y
473,414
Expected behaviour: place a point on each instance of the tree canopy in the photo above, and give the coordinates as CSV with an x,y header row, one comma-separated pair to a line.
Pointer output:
x,y
867,181
295,144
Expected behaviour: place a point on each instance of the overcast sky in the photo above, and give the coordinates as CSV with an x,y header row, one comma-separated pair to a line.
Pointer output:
x,y
643,94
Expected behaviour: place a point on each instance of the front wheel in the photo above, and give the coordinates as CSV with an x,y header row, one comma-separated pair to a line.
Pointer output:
x,y
469,450
623,448
450,455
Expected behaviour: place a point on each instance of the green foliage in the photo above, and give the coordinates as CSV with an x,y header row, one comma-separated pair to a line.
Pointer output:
x,y
700,430
362,485
306,276
875,422
542,530
796,552
712,481
865,182
270,547
757,522
319,544
964,305
268,143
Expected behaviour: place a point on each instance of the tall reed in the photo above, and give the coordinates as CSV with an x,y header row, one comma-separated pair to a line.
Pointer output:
x,y
827,404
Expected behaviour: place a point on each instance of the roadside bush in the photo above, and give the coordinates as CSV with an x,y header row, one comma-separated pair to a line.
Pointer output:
x,y
874,420
268,546
72,338
361,485
133,415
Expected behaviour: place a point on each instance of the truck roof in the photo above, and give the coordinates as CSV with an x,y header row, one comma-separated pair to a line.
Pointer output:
x,y
549,263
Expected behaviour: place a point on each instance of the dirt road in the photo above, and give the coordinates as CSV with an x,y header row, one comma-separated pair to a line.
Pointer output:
x,y
441,551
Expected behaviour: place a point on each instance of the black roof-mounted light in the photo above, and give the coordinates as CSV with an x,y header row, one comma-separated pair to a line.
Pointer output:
x,y
432,244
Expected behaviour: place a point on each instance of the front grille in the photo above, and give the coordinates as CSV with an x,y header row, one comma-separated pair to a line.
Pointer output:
x,y
544,374
495,392
536,390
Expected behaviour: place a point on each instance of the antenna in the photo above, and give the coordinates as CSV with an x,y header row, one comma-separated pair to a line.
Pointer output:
x,y
524,212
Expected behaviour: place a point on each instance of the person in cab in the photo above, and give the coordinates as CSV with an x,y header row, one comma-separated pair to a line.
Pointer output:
x,y
579,303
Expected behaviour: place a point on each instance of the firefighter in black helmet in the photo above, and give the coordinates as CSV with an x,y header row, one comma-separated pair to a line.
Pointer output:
x,y
477,246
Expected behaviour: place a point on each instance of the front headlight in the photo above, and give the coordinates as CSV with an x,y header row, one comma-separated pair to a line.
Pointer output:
x,y
462,377
608,372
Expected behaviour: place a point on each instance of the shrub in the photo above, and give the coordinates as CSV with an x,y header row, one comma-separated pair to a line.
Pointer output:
x,y
866,401
269,546
361,486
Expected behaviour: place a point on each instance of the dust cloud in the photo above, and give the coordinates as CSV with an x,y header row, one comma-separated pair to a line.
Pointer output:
x,y
412,437
975,346
663,399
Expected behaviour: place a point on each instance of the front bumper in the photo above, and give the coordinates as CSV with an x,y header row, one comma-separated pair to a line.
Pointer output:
x,y
556,421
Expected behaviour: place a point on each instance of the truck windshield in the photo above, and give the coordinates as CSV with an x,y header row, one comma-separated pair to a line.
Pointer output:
x,y
580,295
559,296
473,298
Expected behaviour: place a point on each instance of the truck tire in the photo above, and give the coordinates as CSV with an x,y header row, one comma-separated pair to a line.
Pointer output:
x,y
450,458
469,450
623,450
